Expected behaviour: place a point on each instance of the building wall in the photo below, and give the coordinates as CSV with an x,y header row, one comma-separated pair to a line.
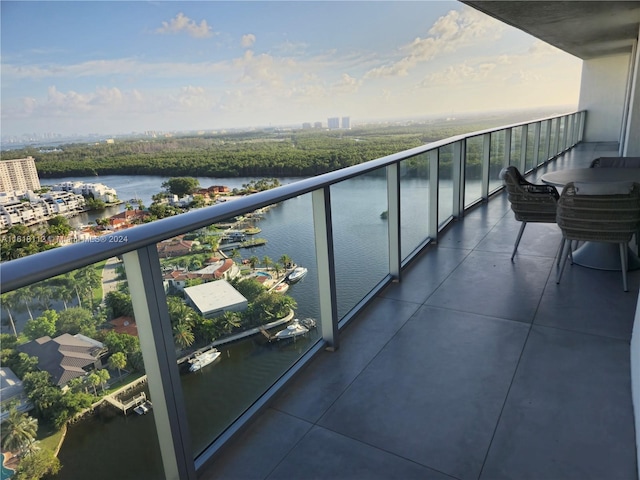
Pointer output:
x,y
19,174
631,141
602,94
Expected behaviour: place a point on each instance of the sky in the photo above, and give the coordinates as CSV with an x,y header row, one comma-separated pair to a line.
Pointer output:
x,y
115,67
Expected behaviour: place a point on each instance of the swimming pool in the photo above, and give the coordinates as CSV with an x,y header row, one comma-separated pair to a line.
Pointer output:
x,y
5,473
267,276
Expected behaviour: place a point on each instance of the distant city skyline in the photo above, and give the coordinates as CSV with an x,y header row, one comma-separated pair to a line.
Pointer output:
x,y
118,67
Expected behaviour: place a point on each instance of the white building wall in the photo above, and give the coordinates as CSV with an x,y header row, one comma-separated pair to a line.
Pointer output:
x,y
602,94
631,141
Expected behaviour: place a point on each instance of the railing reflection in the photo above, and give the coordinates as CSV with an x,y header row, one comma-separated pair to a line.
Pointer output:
x,y
409,196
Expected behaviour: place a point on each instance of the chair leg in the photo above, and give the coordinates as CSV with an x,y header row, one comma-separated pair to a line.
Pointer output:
x,y
624,263
559,254
515,248
566,245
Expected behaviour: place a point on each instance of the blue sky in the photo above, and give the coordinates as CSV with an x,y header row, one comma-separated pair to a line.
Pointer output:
x,y
122,66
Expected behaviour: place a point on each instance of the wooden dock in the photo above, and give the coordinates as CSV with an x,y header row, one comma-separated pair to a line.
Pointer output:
x,y
125,407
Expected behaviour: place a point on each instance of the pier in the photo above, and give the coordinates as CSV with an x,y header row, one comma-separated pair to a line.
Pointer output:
x,y
125,407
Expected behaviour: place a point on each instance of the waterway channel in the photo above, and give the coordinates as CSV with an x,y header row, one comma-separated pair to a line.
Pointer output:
x,y
115,446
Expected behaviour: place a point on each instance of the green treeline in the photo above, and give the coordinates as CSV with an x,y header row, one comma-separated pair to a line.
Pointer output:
x,y
258,153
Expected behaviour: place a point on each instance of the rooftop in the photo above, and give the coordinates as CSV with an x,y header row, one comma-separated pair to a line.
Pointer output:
x,y
471,367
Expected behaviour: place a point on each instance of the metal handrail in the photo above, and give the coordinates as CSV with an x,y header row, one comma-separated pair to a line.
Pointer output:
x,y
27,270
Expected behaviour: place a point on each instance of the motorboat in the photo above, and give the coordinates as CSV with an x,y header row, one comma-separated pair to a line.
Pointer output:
x,y
143,408
294,329
308,323
297,274
281,287
203,359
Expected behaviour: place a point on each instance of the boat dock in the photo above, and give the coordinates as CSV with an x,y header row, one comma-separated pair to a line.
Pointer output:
x,y
131,404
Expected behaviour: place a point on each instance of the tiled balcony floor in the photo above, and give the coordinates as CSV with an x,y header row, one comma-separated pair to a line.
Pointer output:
x,y
471,367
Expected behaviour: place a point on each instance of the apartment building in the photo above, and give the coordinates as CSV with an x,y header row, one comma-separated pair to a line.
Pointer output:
x,y
19,175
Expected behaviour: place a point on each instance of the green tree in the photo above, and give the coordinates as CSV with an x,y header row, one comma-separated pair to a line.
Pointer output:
x,y
119,304
64,293
18,431
25,296
94,380
58,226
76,320
24,364
118,361
104,377
20,241
266,261
9,302
181,186
37,464
43,326
183,335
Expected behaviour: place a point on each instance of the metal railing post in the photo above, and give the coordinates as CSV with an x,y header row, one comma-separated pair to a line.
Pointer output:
x,y
536,144
393,220
486,160
458,175
507,147
434,181
144,278
547,152
323,230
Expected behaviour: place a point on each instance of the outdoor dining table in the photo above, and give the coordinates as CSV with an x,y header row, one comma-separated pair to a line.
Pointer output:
x,y
599,255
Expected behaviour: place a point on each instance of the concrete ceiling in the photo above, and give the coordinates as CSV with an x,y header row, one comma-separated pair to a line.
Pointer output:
x,y
586,29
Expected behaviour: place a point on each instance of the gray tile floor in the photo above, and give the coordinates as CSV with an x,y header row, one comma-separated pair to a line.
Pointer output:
x,y
471,367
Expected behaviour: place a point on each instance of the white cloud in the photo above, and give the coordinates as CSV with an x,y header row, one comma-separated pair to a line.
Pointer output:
x,y
182,23
451,32
248,40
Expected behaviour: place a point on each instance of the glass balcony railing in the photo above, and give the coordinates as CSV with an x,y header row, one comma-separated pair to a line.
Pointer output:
x,y
191,330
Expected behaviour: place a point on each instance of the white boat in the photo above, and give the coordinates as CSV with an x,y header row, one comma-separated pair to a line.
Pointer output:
x,y
143,408
294,329
281,287
297,274
203,359
308,323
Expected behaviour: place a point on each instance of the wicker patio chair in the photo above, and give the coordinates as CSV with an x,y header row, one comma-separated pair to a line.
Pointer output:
x,y
599,212
616,162
530,202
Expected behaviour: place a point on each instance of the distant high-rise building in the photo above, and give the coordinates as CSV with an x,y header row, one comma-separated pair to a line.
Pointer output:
x,y
317,125
333,123
346,122
19,175
306,125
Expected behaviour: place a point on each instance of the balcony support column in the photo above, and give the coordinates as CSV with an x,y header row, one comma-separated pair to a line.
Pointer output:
x,y
458,177
547,150
144,278
393,221
486,160
434,175
323,228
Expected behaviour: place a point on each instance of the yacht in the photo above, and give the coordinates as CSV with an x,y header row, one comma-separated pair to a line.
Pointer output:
x,y
298,273
293,330
203,359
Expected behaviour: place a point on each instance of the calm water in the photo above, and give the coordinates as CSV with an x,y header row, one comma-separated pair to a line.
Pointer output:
x,y
126,447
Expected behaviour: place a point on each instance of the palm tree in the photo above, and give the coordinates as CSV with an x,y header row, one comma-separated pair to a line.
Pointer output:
x,y
25,295
253,261
285,260
118,361
266,261
9,301
183,335
94,380
104,377
18,431
44,294
65,294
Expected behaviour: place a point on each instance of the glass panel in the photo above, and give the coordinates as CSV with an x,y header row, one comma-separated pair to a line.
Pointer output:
x,y
361,236
473,171
445,184
530,160
516,147
79,359
414,202
233,305
496,159
543,154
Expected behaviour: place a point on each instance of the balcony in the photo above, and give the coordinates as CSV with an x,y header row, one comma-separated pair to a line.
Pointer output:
x,y
471,367
448,360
